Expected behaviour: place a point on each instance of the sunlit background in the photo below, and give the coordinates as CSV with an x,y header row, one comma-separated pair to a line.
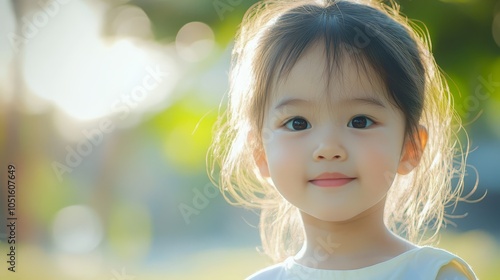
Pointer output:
x,y
106,110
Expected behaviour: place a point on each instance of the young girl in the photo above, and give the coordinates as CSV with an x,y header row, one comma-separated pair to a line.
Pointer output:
x,y
339,129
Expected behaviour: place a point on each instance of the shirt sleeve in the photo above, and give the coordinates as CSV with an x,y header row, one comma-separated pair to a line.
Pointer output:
x,y
455,270
443,265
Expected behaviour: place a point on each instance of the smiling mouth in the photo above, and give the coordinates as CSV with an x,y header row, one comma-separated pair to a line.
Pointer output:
x,y
329,179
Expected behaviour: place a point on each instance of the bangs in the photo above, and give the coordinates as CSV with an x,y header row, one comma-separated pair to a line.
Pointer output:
x,y
325,32
336,58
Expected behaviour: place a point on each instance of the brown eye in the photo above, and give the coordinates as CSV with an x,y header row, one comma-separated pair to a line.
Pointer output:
x,y
360,122
297,124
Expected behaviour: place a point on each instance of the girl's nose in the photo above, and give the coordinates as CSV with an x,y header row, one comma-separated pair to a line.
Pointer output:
x,y
329,153
330,149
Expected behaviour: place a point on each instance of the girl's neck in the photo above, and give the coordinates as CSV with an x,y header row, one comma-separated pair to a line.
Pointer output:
x,y
359,242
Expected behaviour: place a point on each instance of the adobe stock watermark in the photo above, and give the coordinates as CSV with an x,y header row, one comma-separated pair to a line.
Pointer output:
x,y
121,275
223,6
268,133
31,25
362,38
482,91
200,201
94,136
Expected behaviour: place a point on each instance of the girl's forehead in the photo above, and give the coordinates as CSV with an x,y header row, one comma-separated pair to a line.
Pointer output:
x,y
309,79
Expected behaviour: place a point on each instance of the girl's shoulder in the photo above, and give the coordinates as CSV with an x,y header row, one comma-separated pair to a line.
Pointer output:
x,y
277,271
439,264
419,263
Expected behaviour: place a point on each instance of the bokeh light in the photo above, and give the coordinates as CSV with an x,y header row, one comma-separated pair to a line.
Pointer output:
x,y
77,229
130,21
194,41
495,28
108,72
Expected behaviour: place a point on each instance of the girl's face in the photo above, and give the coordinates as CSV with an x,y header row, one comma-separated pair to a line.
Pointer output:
x,y
332,154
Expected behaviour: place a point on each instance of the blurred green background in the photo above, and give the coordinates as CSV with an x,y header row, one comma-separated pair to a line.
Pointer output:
x,y
106,110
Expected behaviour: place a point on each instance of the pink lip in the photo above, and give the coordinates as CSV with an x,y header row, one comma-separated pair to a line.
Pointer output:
x,y
331,180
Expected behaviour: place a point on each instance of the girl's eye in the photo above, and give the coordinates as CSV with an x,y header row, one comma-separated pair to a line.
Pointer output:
x,y
360,122
297,123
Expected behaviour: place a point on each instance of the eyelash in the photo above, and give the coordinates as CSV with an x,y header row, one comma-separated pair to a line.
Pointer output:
x,y
361,116
285,124
308,125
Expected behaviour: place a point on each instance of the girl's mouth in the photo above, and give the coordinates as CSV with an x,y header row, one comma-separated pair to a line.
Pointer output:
x,y
331,180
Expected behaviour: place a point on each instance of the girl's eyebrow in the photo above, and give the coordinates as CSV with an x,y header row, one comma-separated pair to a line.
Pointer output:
x,y
297,101
291,102
367,100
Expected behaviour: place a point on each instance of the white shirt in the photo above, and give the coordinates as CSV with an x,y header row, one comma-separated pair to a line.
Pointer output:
x,y
417,264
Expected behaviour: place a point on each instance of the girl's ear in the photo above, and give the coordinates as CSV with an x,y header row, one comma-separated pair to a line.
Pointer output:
x,y
259,157
411,154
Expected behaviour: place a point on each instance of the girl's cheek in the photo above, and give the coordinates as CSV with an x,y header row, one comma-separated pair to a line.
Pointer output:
x,y
280,146
382,158
284,150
